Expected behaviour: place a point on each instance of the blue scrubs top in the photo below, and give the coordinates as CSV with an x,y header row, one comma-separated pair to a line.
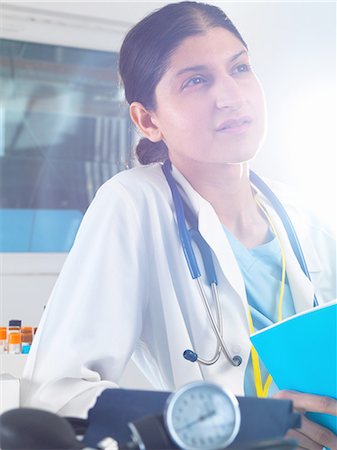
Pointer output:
x,y
261,269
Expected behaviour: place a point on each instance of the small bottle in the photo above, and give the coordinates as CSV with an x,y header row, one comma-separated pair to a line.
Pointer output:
x,y
14,326
3,340
14,343
26,339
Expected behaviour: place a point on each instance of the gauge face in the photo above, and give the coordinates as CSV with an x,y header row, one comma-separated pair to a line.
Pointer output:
x,y
202,416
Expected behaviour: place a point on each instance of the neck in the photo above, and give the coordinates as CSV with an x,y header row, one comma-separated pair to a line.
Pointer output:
x,y
227,188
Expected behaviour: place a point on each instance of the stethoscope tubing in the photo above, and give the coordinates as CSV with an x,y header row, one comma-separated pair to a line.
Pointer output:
x,y
287,223
180,215
186,237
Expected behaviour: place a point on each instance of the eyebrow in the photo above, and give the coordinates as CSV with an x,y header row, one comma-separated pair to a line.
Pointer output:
x,y
203,67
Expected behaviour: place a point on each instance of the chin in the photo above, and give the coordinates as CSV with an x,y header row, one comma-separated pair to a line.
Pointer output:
x,y
244,155
238,157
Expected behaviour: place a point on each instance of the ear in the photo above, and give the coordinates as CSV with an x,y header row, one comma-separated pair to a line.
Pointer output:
x,y
145,122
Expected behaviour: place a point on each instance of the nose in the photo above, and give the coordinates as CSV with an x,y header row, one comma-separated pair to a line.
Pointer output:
x,y
228,94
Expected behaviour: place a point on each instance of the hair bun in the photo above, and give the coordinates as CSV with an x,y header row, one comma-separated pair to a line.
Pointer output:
x,y
150,152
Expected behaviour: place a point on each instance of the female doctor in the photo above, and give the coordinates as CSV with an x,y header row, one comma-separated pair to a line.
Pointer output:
x,y
126,288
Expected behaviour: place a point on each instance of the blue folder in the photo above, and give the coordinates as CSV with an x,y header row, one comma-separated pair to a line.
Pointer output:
x,y
300,353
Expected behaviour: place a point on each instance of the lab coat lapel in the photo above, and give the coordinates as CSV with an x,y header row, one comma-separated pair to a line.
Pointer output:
x,y
301,287
212,231
183,371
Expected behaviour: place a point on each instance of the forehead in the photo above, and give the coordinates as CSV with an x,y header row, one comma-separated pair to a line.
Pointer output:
x,y
205,48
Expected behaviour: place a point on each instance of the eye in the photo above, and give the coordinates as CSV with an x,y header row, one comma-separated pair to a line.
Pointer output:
x,y
242,68
194,81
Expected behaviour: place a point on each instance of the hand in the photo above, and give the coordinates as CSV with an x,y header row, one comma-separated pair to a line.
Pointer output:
x,y
311,435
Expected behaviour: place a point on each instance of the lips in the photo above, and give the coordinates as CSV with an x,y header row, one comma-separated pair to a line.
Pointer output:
x,y
234,124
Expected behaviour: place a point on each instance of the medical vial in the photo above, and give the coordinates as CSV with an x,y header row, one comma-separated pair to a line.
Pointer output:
x,y
14,326
3,340
26,339
14,343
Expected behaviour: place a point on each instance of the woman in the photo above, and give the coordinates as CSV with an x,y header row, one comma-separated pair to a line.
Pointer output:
x,y
125,288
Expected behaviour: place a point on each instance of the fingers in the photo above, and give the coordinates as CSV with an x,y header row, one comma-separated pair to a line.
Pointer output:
x,y
311,435
319,434
303,441
310,402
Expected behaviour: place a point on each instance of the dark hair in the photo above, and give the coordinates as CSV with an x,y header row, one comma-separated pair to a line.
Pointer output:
x,y
146,50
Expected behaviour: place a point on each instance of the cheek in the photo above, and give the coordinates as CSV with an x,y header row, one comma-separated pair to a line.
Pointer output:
x,y
259,101
262,114
178,119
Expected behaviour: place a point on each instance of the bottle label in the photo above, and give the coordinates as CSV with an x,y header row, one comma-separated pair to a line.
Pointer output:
x,y
25,347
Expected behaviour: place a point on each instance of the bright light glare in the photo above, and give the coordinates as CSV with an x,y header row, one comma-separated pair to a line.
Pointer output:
x,y
311,147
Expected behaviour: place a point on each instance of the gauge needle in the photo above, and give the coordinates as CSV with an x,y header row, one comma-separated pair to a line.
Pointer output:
x,y
199,419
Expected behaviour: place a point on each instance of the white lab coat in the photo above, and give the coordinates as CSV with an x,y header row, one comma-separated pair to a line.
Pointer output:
x,y
125,290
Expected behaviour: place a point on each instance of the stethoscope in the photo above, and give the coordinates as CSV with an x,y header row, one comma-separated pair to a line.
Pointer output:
x,y
185,216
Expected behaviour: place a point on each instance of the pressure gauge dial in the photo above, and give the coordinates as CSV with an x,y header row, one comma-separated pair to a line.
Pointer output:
x,y
202,416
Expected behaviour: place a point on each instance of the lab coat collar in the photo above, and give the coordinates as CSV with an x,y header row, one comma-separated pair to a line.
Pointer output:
x,y
211,228
301,287
212,231
286,196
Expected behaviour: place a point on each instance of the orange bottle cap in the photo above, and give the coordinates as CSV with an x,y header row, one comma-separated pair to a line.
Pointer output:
x,y
3,333
27,330
14,338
